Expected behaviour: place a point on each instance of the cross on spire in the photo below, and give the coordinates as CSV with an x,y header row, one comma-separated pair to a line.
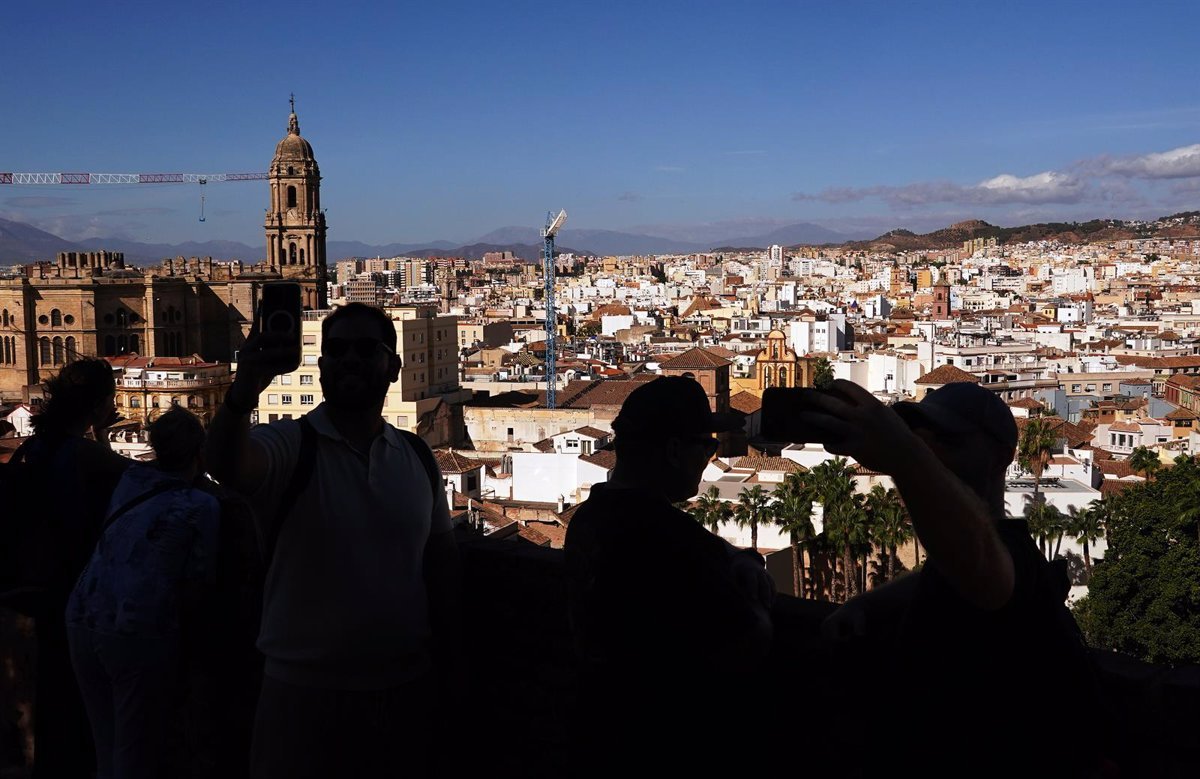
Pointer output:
x,y
292,100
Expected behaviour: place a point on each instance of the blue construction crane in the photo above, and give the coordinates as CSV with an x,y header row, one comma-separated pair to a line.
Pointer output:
x,y
553,225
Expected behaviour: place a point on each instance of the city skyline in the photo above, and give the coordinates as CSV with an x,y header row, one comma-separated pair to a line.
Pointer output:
x,y
677,121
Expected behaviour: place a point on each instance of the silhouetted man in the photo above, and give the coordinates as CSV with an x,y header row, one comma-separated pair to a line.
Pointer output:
x,y
981,631
360,601
670,622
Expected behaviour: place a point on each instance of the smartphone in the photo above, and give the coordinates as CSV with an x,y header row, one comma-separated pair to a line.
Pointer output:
x,y
279,314
781,407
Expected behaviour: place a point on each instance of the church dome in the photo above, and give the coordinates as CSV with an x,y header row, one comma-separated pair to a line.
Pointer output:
x,y
293,147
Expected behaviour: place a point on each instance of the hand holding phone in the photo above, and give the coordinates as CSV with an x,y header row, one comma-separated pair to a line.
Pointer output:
x,y
274,345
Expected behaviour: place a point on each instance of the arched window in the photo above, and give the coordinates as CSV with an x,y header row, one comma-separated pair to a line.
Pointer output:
x,y
58,350
44,350
55,318
133,344
301,256
122,344
4,318
291,197
8,355
292,253
110,346
122,318
783,377
71,355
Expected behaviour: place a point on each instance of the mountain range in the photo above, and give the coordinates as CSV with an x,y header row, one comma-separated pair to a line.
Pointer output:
x,y
23,243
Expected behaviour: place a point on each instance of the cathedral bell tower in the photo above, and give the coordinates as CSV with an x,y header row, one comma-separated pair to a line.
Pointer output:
x,y
295,224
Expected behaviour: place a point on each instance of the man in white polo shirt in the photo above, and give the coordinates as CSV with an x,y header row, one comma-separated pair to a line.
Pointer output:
x,y
360,603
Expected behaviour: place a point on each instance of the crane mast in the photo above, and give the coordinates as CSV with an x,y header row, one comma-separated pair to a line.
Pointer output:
x,y
553,225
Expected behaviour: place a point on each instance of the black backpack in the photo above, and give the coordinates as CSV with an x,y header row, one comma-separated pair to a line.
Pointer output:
x,y
306,463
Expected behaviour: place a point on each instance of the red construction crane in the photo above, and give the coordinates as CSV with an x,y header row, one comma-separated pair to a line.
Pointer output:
x,y
17,179
126,178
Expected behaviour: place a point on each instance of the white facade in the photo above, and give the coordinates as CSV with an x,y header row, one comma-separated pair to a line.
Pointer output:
x,y
550,477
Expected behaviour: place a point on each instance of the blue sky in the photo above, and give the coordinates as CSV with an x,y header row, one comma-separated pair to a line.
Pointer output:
x,y
447,120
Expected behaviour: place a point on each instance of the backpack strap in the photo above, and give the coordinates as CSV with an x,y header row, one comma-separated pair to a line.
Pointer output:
x,y
306,463
426,455
158,489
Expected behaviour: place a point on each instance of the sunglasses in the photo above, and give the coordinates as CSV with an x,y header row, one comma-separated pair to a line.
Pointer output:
x,y
365,348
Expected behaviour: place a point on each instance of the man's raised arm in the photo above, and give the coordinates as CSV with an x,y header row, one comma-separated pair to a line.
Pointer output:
x,y
953,524
234,459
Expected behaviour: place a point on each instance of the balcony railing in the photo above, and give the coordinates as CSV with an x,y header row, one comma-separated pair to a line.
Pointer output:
x,y
210,381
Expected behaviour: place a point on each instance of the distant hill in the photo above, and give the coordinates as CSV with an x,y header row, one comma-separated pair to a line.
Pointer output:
x,y
1066,232
21,243
342,249
615,243
528,252
138,253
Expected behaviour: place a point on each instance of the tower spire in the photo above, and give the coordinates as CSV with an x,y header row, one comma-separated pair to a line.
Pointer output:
x,y
293,122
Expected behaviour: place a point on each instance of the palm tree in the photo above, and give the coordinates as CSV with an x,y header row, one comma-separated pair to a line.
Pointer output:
x,y
1045,523
1145,461
793,513
1107,510
822,373
891,525
753,508
710,510
1038,439
833,485
1087,528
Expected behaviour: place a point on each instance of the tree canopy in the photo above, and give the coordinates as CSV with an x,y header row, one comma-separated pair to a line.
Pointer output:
x,y
1144,598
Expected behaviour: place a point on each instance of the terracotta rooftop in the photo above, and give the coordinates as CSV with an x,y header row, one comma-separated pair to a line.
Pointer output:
x,y
1159,363
136,361
610,309
1075,435
947,374
1028,403
745,402
591,432
598,392
764,463
534,536
698,304
1181,413
1115,486
1186,380
697,358
605,458
450,461
1118,469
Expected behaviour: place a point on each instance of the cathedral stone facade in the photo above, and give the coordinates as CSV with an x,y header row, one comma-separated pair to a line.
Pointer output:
x,y
92,304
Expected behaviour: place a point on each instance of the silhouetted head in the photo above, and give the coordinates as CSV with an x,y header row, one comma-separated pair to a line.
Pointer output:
x,y
971,431
82,391
665,434
177,438
358,356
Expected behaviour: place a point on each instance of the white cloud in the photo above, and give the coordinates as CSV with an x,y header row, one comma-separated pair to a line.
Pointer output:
x,y
1183,162
1046,187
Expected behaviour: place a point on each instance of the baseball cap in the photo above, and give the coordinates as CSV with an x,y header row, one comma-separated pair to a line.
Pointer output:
x,y
963,408
671,406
